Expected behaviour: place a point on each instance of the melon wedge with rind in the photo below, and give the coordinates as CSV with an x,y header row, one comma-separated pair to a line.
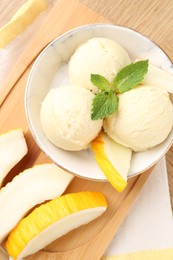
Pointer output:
x,y
28,189
113,159
53,220
158,77
12,149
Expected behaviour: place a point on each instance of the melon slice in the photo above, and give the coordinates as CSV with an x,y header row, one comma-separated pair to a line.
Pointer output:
x,y
23,17
114,160
53,220
159,78
12,149
29,188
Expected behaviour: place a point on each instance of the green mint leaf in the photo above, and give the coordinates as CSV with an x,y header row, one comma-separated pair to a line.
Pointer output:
x,y
100,82
130,76
104,104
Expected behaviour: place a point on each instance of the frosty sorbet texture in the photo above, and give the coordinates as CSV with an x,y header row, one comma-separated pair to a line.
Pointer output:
x,y
96,56
66,118
143,120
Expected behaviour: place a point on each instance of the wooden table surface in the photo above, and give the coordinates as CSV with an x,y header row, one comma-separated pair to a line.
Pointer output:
x,y
153,18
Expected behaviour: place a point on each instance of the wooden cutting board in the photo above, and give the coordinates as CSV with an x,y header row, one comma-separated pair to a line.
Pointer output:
x,y
64,16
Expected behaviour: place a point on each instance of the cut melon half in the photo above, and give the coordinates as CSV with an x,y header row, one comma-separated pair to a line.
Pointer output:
x,y
114,160
53,220
159,78
29,188
12,149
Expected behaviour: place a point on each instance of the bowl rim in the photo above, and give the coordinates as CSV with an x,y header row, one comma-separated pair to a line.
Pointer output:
x,y
39,56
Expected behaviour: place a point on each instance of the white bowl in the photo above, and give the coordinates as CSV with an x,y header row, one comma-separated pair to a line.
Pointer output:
x,y
42,78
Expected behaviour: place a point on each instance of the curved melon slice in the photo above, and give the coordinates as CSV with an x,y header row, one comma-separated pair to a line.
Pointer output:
x,y
114,160
53,220
159,78
12,149
29,188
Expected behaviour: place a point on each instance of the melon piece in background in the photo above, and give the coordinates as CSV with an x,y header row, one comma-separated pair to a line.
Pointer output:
x,y
22,18
12,149
30,188
157,77
114,160
53,220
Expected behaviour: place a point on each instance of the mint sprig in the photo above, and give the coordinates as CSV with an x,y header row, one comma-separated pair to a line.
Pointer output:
x,y
130,76
105,101
100,82
104,104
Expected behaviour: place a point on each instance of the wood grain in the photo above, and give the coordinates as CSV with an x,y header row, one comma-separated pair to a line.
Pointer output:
x,y
152,18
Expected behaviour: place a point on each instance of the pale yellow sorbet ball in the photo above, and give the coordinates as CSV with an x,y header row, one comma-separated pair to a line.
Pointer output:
x,y
97,56
143,120
66,118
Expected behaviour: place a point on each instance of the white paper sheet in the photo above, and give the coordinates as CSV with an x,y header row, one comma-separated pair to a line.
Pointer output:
x,y
149,224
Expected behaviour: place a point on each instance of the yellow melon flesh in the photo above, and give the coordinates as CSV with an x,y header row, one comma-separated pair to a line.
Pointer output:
x,y
29,188
113,159
52,220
